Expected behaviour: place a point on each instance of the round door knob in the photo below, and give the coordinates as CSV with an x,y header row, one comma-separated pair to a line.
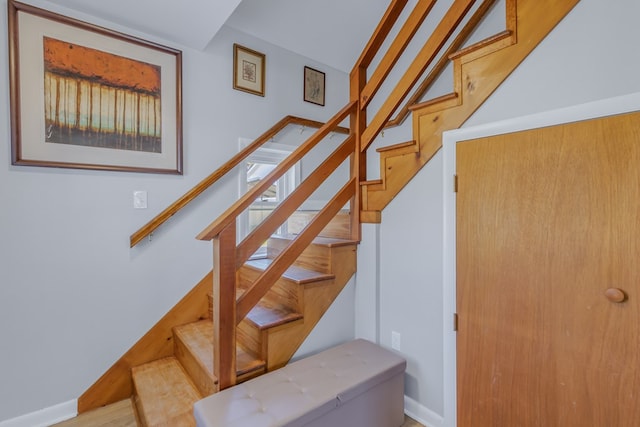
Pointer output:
x,y
615,295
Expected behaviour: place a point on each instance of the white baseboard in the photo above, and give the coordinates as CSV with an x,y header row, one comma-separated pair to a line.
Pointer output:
x,y
45,417
420,413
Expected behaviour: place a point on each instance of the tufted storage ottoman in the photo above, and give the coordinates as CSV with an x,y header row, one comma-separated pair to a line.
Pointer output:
x,y
354,384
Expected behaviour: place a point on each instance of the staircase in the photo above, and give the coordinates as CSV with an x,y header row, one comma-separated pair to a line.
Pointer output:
x,y
165,389
249,315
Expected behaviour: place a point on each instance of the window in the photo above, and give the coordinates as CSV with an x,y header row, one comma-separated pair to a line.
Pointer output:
x,y
257,166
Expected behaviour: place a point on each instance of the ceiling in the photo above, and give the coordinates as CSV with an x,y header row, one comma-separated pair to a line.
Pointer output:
x,y
332,32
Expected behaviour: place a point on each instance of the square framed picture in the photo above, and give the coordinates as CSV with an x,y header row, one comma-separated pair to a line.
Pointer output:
x,y
314,86
248,70
86,97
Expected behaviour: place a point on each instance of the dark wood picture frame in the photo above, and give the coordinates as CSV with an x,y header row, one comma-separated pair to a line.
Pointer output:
x,y
248,70
314,86
86,97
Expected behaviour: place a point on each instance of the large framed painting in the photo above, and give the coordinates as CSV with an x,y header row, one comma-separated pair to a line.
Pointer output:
x,y
83,96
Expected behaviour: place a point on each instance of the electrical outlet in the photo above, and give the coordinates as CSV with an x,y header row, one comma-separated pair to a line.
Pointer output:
x,y
395,340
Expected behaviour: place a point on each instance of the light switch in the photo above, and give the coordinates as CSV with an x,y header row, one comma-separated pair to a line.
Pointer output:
x,y
140,199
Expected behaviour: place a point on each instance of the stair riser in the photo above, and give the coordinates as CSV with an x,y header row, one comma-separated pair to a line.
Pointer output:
x,y
202,379
314,257
339,227
284,292
251,338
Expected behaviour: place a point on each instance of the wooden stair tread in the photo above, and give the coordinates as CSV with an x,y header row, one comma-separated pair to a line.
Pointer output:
x,y
406,144
330,242
296,274
434,101
264,316
165,394
481,44
198,337
371,182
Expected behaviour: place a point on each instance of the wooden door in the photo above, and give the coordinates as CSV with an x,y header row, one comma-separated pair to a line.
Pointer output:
x,y
548,222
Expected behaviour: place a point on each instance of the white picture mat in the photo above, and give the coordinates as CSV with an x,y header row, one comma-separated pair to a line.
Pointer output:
x,y
31,30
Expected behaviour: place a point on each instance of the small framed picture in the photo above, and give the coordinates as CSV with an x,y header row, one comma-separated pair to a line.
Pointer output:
x,y
248,70
313,86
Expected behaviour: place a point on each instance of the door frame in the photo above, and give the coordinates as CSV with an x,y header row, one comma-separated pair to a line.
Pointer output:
x,y
592,110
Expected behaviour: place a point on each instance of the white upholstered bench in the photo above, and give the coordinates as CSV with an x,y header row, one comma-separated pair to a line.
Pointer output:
x,y
354,384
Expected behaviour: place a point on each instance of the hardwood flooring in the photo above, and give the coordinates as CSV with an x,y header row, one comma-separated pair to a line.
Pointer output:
x,y
410,422
122,414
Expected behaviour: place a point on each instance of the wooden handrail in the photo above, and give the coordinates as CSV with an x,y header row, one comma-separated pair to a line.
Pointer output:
x,y
263,283
270,224
247,199
380,34
443,31
203,185
400,43
442,63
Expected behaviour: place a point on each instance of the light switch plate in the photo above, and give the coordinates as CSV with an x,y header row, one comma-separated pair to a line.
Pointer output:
x,y
140,199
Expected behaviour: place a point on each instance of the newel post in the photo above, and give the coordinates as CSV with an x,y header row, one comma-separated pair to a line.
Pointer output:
x,y
224,309
358,123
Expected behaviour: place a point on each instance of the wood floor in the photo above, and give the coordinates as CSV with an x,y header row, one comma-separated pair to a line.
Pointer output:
x,y
122,414
119,414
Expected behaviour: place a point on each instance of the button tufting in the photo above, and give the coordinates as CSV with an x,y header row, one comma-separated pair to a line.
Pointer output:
x,y
340,375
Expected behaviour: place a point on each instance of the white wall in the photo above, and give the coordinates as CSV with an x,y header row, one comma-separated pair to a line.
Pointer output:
x,y
573,65
73,296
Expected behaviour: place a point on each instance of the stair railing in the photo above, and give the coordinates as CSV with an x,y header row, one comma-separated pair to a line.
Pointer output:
x,y
445,28
228,310
445,58
207,182
455,28
229,255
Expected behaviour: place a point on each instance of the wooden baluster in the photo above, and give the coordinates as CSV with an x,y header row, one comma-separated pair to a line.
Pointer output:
x,y
224,310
